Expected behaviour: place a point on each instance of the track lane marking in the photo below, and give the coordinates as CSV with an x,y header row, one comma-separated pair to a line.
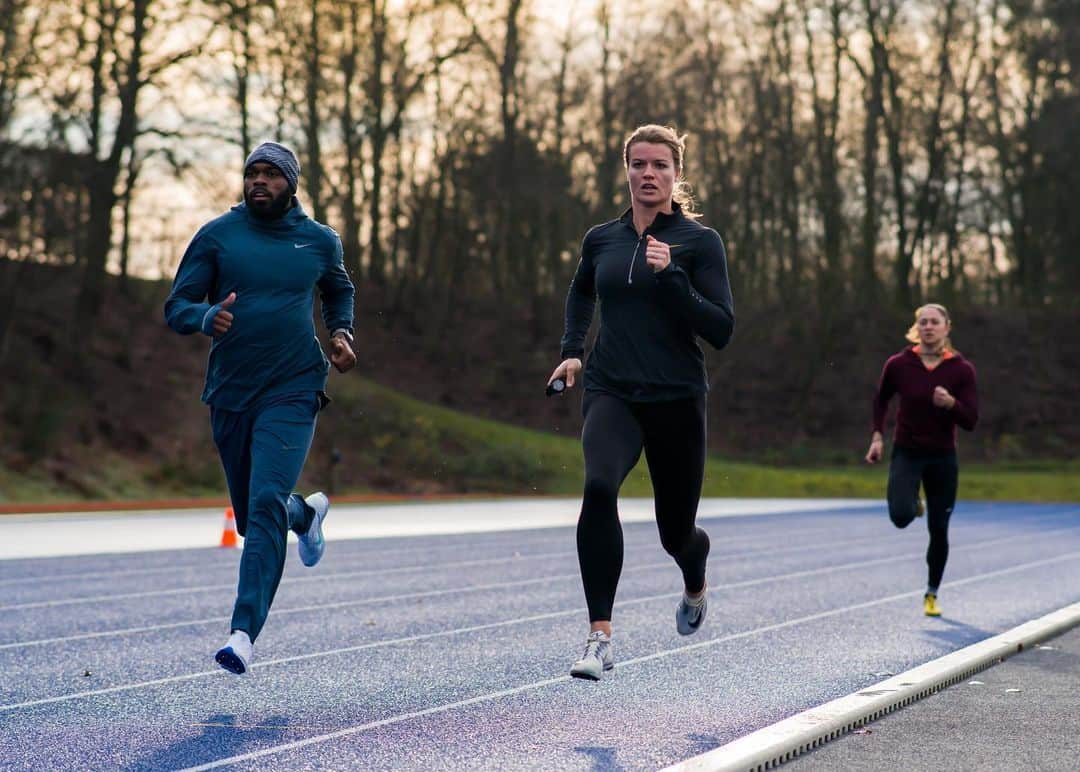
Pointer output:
x,y
492,625
717,518
426,567
501,585
536,685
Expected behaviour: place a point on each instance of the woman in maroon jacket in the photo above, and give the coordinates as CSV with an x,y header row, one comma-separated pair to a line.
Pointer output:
x,y
937,393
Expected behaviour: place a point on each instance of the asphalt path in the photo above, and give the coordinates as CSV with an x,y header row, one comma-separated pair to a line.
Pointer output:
x,y
1020,714
451,650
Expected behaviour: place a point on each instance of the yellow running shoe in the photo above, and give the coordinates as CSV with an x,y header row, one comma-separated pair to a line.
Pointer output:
x,y
920,507
930,606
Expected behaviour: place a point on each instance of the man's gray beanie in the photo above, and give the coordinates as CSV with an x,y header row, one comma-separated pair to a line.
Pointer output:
x,y
281,157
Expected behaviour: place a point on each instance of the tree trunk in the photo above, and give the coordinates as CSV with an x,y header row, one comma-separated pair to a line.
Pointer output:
x,y
313,124
9,301
377,130
102,181
349,211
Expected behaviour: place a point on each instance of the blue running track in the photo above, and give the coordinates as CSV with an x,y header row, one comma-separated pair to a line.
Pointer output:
x,y
452,651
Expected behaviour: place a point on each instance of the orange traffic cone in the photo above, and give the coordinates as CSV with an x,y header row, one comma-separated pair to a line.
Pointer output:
x,y
228,536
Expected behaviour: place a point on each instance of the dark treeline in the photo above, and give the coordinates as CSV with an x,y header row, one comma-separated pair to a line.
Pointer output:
x,y
861,152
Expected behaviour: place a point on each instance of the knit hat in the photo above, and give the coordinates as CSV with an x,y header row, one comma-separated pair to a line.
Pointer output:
x,y
281,157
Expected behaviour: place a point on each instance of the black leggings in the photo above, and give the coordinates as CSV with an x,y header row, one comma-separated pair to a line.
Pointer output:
x,y
673,436
938,474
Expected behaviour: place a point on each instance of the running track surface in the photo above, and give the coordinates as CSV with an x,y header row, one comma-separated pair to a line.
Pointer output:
x,y
451,651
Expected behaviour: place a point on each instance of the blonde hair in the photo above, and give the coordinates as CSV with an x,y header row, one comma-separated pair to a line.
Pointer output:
x,y
656,134
913,330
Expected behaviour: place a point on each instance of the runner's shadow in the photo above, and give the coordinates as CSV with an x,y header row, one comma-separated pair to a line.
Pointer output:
x,y
957,633
220,736
703,743
603,759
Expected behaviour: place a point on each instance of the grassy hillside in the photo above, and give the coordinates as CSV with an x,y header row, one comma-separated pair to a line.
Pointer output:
x,y
113,413
498,457
442,450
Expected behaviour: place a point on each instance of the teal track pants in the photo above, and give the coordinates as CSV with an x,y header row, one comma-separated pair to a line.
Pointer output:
x,y
263,450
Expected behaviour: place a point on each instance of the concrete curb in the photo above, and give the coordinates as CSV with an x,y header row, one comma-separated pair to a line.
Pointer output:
x,y
771,746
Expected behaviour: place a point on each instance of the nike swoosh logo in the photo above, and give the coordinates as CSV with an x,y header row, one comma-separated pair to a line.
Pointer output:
x,y
301,246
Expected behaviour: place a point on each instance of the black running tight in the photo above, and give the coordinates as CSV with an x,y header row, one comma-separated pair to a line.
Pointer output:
x,y
938,474
673,437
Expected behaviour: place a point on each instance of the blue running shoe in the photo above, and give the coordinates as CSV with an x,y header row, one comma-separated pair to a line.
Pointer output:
x,y
690,614
235,655
312,544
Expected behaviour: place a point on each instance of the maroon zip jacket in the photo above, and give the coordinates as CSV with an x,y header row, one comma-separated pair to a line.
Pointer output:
x,y
920,425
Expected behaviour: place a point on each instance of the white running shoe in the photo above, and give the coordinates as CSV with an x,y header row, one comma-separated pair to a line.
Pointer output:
x,y
312,544
235,655
596,659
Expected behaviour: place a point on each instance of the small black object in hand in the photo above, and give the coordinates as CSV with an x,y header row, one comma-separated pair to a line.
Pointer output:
x,y
557,386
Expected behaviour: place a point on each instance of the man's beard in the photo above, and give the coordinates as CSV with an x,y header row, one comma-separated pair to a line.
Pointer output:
x,y
269,210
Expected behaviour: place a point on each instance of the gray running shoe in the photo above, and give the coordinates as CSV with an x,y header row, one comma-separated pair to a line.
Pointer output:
x,y
312,544
596,659
688,617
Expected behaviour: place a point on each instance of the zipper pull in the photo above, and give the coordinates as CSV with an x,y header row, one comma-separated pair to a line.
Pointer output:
x,y
633,259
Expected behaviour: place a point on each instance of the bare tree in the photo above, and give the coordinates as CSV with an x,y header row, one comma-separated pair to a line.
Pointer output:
x,y
349,22
873,77
120,61
826,109
313,124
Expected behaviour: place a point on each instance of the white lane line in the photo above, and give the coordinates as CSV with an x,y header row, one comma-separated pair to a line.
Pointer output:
x,y
36,536
729,544
399,597
338,544
503,543
322,577
536,580
231,566
505,540
113,574
413,596
492,696
426,567
211,563
457,631
715,518
111,633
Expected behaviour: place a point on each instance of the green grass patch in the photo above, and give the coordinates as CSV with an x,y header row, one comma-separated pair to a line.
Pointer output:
x,y
110,477
488,456
443,448
438,449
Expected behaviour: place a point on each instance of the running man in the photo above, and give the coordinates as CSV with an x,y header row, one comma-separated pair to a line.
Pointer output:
x,y
247,281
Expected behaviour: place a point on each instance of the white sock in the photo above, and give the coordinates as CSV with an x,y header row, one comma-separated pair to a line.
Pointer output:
x,y
692,602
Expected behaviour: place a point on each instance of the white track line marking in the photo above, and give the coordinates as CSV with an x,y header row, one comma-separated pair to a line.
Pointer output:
x,y
338,544
521,583
426,567
321,577
504,623
630,662
718,519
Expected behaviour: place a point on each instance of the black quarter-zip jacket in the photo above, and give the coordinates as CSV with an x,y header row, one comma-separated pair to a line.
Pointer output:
x,y
646,349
